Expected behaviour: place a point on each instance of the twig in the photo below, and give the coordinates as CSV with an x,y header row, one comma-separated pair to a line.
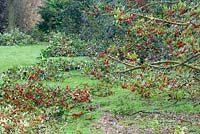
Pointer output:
x,y
128,70
196,78
130,47
120,61
145,112
64,126
170,104
141,111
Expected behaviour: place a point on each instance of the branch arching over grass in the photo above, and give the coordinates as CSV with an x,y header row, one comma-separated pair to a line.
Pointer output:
x,y
154,64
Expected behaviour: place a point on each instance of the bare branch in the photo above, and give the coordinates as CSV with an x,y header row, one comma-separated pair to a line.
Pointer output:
x,y
153,65
176,62
120,61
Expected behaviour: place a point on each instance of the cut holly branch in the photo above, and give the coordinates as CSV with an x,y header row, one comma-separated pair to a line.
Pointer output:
x,y
153,64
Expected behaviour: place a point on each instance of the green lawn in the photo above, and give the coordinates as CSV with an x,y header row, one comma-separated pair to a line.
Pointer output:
x,y
18,55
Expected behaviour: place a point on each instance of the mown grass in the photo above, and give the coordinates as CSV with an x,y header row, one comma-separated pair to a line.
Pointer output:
x,y
121,102
18,55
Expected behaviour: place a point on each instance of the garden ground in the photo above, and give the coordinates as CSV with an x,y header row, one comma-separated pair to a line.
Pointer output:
x,y
122,112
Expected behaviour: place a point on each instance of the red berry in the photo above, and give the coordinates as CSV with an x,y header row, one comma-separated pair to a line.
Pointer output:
x,y
7,127
124,86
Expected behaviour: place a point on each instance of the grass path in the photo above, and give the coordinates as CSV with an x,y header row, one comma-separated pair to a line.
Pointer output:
x,y
18,55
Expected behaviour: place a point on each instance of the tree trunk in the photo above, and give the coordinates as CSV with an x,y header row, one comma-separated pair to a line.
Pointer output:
x,y
3,15
11,15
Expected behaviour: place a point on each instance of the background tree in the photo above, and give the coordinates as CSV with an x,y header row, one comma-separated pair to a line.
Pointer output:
x,y
159,47
63,16
75,17
26,12
11,15
3,13
22,14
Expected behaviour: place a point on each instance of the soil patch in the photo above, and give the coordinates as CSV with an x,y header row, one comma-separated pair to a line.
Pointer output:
x,y
148,123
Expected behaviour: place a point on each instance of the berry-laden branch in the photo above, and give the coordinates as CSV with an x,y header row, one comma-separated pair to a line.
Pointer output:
x,y
154,64
159,2
161,20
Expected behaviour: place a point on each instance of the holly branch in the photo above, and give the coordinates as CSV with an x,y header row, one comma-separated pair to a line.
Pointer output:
x,y
155,64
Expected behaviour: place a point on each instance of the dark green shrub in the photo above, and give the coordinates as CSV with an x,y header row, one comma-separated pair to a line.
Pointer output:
x,y
47,69
59,45
61,15
15,37
38,35
62,45
82,48
74,17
